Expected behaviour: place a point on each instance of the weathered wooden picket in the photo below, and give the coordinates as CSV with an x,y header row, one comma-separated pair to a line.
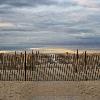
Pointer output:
x,y
49,67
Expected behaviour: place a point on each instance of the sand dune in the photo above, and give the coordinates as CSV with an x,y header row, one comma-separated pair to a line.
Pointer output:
x,y
42,50
52,50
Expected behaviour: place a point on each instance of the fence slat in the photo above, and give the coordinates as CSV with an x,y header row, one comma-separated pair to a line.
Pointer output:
x,y
25,65
49,67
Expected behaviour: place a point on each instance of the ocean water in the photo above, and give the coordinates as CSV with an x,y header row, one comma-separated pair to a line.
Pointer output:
x,y
28,46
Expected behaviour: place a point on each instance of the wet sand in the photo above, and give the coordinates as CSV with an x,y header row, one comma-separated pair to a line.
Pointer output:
x,y
83,90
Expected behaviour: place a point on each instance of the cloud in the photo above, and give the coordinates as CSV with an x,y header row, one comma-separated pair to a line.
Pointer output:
x,y
48,22
6,24
89,3
23,3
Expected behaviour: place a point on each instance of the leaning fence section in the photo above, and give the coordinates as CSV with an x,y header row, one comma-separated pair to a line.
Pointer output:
x,y
49,67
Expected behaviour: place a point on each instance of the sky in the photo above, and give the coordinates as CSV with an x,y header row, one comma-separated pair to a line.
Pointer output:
x,y
34,23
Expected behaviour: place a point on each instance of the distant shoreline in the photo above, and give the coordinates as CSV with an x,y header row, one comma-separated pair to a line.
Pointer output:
x,y
52,50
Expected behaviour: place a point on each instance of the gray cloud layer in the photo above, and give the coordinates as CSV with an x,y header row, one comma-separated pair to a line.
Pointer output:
x,y
33,22
21,3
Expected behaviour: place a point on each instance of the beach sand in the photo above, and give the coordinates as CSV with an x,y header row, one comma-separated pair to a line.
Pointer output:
x,y
83,90
42,50
52,50
89,90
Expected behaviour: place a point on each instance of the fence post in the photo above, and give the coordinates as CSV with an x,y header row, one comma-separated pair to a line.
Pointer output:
x,y
67,58
32,61
85,59
25,65
77,56
15,59
76,65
